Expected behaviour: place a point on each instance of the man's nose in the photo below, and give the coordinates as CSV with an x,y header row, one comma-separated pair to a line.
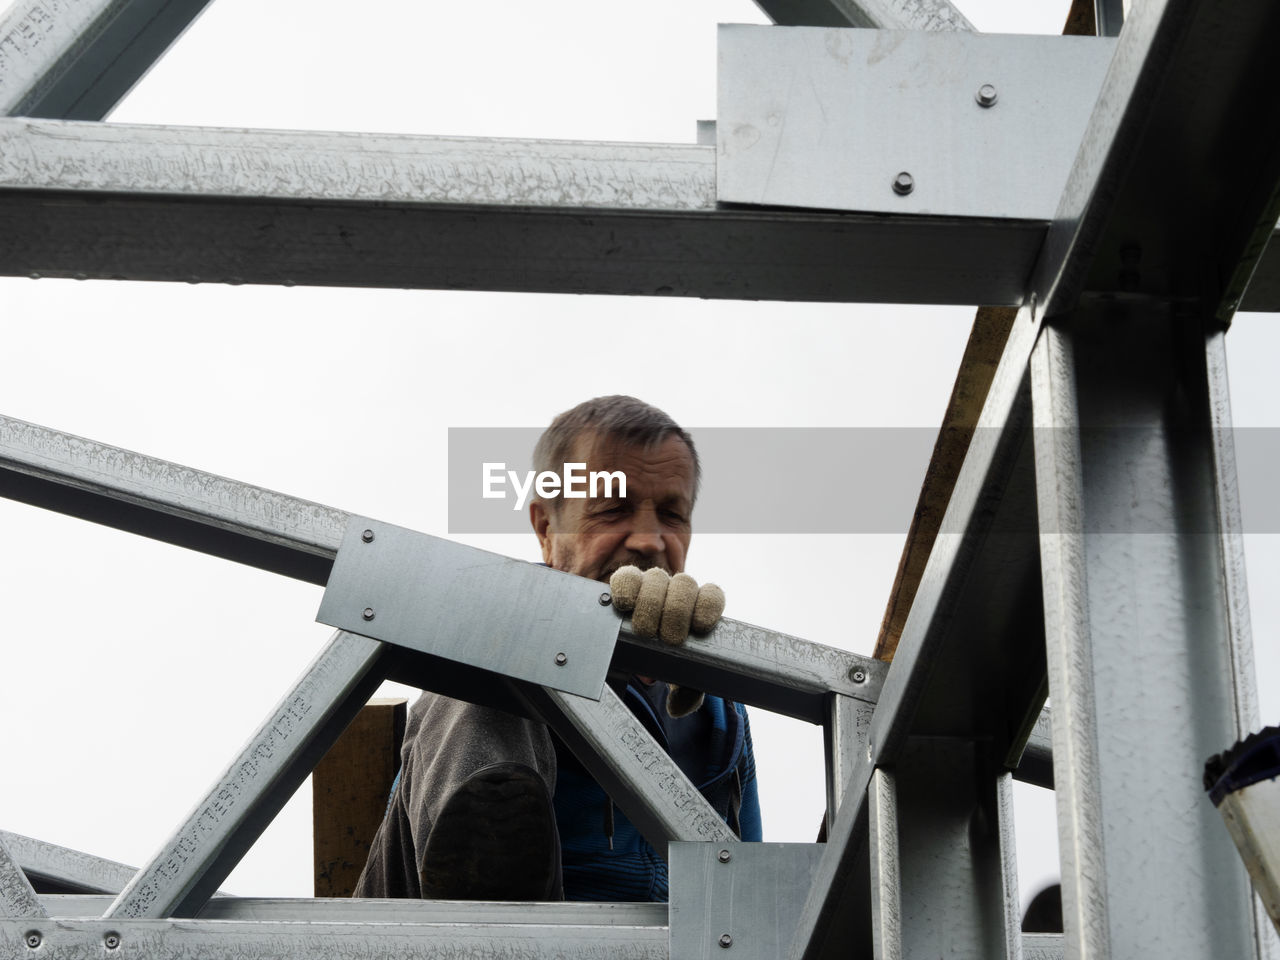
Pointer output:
x,y
646,534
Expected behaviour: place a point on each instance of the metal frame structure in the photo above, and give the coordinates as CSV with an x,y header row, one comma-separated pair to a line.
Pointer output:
x,y
1092,535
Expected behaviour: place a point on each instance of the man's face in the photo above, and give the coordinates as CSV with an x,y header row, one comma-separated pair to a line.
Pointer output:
x,y
595,536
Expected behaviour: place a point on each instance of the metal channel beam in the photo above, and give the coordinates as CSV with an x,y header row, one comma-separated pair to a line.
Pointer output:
x,y
76,59
278,909
182,875
881,14
72,939
17,898
633,768
208,205
299,538
55,869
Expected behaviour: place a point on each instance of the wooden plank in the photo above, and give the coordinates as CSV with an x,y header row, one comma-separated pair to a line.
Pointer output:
x,y
349,789
978,365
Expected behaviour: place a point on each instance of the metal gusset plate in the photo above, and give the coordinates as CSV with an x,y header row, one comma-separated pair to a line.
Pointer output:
x,y
17,898
471,606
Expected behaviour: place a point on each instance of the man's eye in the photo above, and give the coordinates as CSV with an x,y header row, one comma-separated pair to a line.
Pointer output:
x,y
674,516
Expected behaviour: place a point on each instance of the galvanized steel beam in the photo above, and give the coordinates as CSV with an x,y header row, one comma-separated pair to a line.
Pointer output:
x,y
310,910
208,205
299,538
632,767
76,59
179,879
75,939
65,870
17,897
878,14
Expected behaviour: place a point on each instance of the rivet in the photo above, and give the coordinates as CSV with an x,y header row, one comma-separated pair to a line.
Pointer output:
x,y
726,940
986,95
111,940
367,536
33,939
724,856
561,659
857,675
903,184
368,613
605,599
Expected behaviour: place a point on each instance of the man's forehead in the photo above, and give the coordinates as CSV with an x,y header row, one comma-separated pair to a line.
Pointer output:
x,y
669,458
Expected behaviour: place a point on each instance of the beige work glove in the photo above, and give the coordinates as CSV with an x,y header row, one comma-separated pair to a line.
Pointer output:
x,y
670,608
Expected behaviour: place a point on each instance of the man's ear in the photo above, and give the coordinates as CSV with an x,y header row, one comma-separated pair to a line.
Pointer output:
x,y
540,517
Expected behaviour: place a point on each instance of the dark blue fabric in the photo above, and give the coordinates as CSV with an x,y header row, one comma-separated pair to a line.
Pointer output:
x,y
712,747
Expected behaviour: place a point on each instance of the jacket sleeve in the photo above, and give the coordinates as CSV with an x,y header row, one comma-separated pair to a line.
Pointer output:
x,y
749,815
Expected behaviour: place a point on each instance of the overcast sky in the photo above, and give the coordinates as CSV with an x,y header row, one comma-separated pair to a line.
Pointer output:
x,y
140,668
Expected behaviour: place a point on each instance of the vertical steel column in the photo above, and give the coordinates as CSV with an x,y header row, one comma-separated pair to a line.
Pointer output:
x,y
1141,652
953,880
844,738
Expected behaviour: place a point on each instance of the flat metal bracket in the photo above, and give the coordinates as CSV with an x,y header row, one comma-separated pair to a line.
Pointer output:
x,y
472,607
747,896
890,121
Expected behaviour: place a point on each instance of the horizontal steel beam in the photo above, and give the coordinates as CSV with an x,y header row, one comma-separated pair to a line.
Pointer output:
x,y
76,59
210,205
277,909
74,939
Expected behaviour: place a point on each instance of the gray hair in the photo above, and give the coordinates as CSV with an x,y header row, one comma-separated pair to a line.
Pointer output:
x,y
618,417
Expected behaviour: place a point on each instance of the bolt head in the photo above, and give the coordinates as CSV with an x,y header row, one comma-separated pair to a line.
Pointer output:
x,y
111,941
724,856
561,659
986,95
368,613
858,676
367,536
726,940
605,599
903,183
33,939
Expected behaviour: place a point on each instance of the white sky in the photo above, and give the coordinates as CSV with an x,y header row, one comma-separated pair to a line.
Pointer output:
x,y
142,668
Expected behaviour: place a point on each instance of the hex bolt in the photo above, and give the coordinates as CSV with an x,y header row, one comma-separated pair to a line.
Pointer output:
x,y
367,536
986,95
605,599
724,856
111,940
858,676
726,940
561,659
903,184
368,613
33,939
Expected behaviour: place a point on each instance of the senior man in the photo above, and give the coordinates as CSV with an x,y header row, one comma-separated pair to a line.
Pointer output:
x,y
491,806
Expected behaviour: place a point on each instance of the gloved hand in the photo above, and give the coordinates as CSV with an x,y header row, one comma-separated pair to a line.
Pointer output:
x,y
668,607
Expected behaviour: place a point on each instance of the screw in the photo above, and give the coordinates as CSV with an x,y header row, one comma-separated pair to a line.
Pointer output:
x,y
561,659
368,613
986,95
367,536
858,676
724,856
605,599
33,939
111,940
903,184
726,940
